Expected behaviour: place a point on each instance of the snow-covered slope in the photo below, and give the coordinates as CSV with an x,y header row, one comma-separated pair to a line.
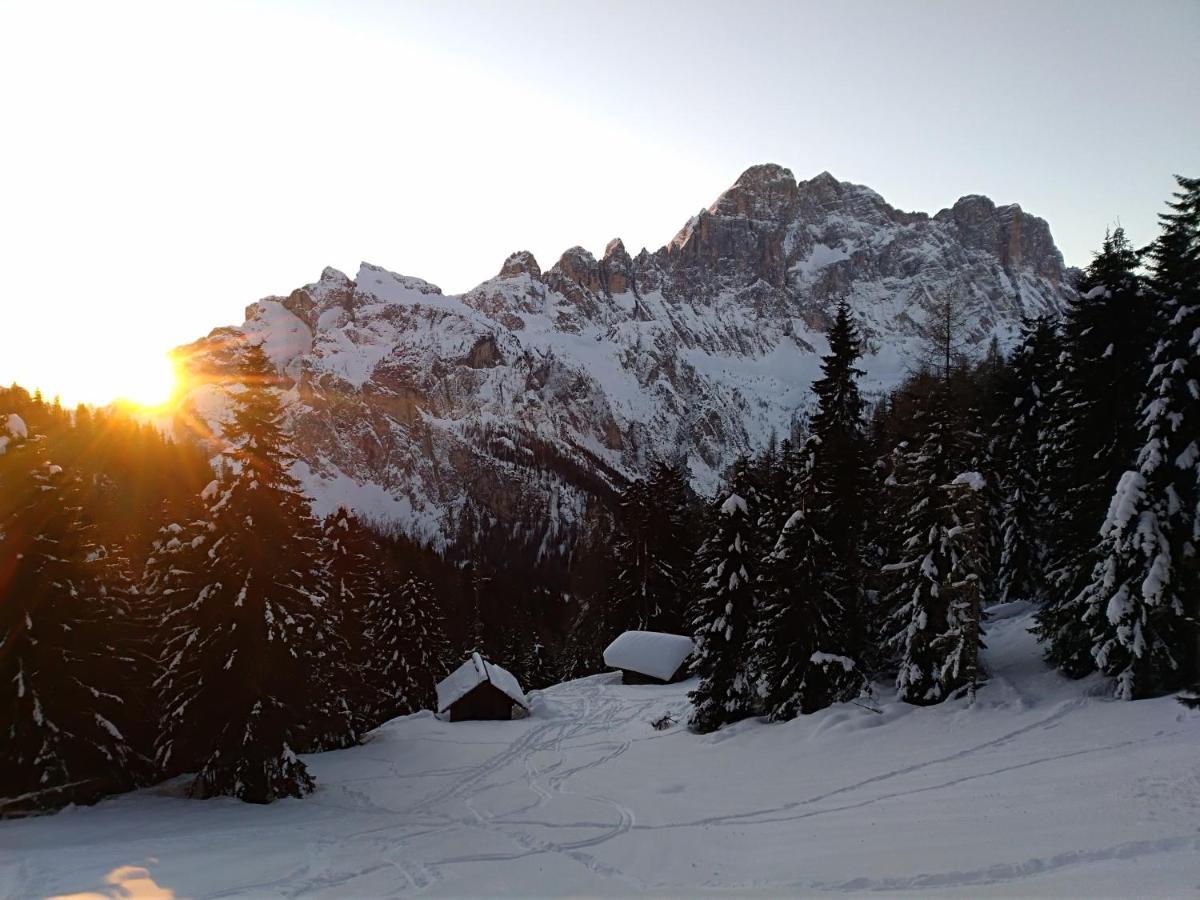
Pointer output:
x,y
1044,787
525,398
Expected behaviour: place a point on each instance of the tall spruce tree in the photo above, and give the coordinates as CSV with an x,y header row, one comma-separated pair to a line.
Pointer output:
x,y
1027,522
354,560
725,608
1142,606
1107,335
841,474
243,633
933,586
933,629
807,656
989,390
67,665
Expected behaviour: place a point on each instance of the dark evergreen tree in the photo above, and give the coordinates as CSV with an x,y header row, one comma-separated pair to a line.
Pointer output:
x,y
68,667
1027,523
1093,439
841,475
407,649
725,609
1142,606
354,571
802,640
988,391
934,608
243,634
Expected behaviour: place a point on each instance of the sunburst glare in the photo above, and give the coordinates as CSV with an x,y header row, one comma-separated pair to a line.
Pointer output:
x,y
147,381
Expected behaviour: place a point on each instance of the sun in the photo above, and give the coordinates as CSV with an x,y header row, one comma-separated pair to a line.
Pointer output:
x,y
145,381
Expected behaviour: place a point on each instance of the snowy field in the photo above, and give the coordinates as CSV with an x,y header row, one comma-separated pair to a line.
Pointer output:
x,y
1043,787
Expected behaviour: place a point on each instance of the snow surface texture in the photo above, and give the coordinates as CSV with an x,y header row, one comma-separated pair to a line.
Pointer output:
x,y
1045,787
474,672
651,653
528,391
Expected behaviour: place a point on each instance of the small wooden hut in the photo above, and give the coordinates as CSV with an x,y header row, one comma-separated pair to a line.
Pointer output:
x,y
650,657
479,689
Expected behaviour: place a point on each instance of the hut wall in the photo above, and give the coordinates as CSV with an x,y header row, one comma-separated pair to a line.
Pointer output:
x,y
628,676
484,702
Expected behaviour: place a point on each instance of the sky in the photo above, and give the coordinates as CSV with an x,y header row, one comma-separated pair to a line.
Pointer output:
x,y
162,165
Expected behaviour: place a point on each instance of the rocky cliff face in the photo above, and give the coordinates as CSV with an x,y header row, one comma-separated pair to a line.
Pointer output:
x,y
524,401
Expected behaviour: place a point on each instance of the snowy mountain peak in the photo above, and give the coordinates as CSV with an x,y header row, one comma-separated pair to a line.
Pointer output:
x,y
1014,236
389,286
765,192
537,393
615,249
521,262
335,278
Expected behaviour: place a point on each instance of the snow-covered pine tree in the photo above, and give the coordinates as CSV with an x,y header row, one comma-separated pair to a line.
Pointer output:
x,y
970,505
1107,338
725,608
354,564
805,656
841,475
407,649
932,640
1026,525
932,635
243,633
989,389
1142,607
67,670
883,545
929,631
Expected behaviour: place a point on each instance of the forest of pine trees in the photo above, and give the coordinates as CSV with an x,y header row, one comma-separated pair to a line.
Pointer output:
x,y
1067,475
166,610
136,582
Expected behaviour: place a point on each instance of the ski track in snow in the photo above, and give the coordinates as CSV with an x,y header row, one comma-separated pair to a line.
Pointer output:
x,y
1043,786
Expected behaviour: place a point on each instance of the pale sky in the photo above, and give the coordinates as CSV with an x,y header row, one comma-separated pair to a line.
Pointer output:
x,y
164,164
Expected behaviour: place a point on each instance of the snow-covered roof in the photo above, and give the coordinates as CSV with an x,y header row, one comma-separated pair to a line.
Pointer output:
x,y
649,653
474,672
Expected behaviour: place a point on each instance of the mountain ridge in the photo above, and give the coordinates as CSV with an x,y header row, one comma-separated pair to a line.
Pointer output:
x,y
536,394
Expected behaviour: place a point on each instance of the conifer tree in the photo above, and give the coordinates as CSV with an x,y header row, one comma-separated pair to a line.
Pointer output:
x,y
989,388
354,560
841,474
934,608
1142,606
632,561
407,649
803,639
243,632
1093,439
725,608
1026,526
67,670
